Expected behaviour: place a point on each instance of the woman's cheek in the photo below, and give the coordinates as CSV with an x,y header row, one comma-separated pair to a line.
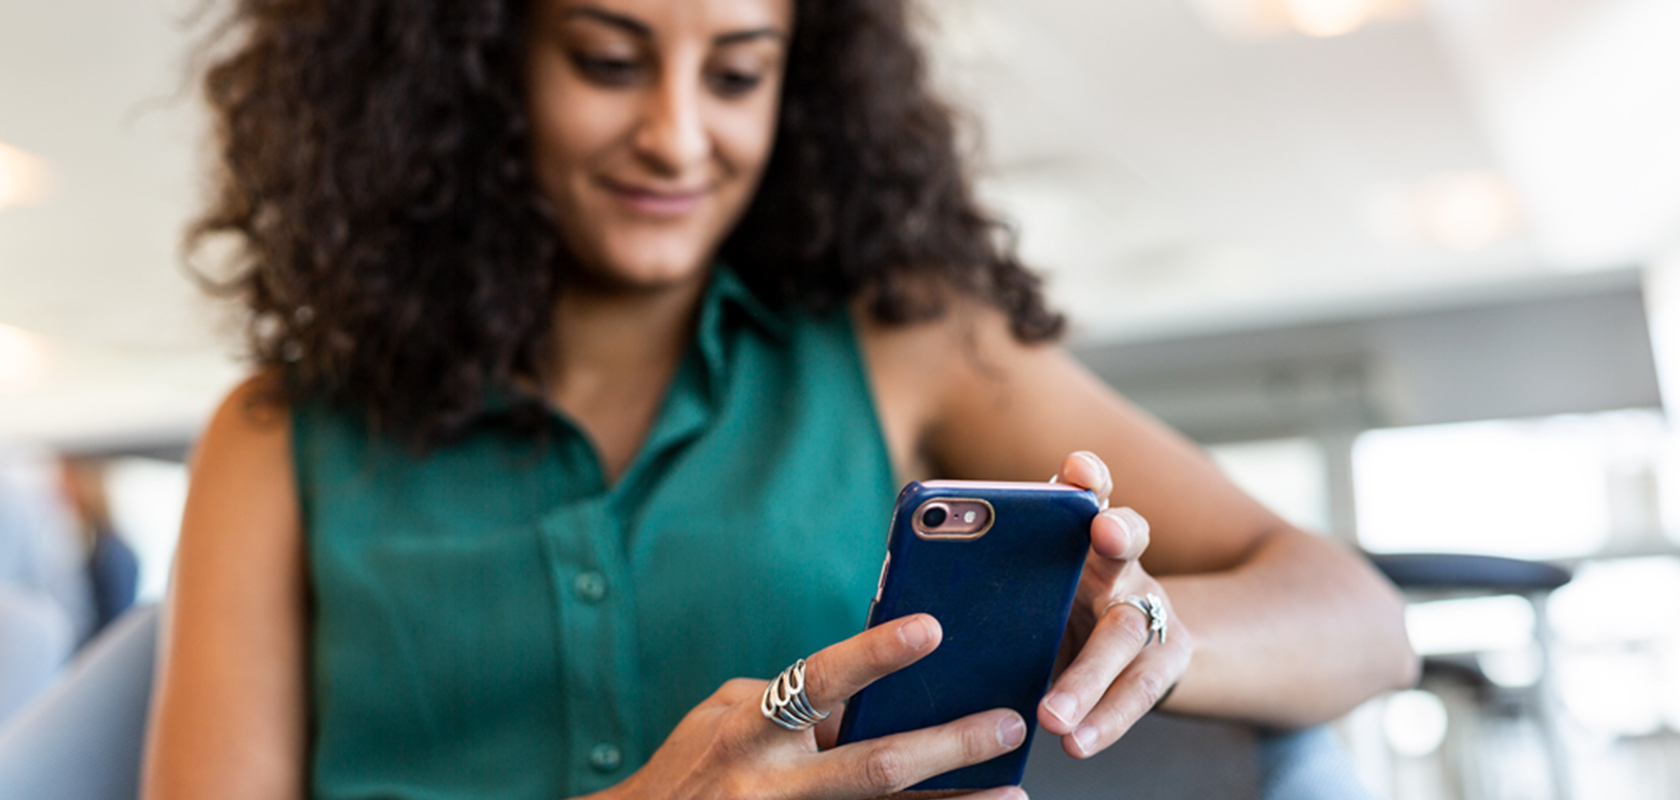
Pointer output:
x,y
580,121
747,136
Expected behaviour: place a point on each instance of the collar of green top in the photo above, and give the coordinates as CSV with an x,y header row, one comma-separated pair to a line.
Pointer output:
x,y
727,289
725,292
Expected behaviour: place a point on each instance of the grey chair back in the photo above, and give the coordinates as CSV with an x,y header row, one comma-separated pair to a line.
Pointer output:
x,y
82,738
1160,757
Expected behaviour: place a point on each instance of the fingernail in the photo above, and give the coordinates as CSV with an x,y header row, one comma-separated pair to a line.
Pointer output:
x,y
1120,520
915,633
1017,793
1091,458
1011,731
1132,521
1061,705
1086,738
1101,467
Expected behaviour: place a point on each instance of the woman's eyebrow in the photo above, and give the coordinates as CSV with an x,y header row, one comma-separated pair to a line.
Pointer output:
x,y
628,24
641,29
736,37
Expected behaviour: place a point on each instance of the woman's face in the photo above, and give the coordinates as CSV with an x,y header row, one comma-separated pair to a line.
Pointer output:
x,y
652,121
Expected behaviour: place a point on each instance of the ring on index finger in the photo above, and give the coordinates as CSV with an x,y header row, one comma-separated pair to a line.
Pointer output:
x,y
785,702
1152,606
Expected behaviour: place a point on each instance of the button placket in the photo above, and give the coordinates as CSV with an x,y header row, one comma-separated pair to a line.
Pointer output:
x,y
597,640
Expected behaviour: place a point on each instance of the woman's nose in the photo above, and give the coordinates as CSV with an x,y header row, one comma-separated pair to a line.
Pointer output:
x,y
673,134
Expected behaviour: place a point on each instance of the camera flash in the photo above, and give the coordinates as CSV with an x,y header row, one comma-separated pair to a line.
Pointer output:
x,y
968,516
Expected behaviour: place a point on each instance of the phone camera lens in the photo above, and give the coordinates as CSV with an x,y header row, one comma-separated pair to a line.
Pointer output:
x,y
933,517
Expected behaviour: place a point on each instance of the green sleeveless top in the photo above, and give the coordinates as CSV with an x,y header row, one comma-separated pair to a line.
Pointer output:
x,y
493,620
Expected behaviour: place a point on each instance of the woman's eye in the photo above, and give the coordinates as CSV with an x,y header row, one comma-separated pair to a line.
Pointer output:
x,y
607,71
731,83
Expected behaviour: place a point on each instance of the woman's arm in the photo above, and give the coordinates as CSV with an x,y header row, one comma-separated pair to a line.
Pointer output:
x,y
228,718
1288,628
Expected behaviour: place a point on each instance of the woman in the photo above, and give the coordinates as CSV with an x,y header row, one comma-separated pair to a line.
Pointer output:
x,y
597,336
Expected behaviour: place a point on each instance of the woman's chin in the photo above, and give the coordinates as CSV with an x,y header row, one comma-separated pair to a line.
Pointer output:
x,y
646,271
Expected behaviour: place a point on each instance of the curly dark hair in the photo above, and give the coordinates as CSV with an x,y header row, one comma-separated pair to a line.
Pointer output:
x,y
396,256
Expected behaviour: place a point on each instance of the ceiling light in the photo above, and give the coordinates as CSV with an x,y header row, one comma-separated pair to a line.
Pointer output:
x,y
1244,20
23,178
21,357
1325,18
1463,211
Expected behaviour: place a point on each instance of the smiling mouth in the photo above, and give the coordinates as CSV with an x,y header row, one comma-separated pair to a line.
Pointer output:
x,y
659,203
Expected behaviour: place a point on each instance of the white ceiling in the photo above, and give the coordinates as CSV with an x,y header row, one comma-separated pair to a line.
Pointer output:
x,y
1169,179
1172,179
130,351
97,90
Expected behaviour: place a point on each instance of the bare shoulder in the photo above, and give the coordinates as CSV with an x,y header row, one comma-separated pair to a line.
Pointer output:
x,y
911,370
242,509
252,421
243,460
923,372
977,384
968,327
244,456
228,716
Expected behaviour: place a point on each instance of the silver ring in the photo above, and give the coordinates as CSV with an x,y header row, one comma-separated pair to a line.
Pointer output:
x,y
1155,608
785,702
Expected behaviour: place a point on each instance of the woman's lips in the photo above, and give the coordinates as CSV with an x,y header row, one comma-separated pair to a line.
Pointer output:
x,y
664,203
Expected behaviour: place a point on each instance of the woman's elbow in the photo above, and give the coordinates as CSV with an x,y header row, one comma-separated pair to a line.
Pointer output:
x,y
1377,653
1393,664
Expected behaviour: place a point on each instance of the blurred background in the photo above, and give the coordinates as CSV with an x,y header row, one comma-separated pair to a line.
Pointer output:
x,y
1409,269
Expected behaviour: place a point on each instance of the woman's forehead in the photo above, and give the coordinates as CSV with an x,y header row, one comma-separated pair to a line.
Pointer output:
x,y
710,17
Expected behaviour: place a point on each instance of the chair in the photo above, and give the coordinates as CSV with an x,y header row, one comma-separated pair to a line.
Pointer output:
x,y
82,738
36,636
1435,575
1165,756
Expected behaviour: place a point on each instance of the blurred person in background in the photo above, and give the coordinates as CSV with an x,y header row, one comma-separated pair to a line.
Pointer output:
x,y
46,604
595,338
113,569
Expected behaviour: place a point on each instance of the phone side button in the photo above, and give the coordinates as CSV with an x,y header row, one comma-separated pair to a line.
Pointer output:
x,y
881,582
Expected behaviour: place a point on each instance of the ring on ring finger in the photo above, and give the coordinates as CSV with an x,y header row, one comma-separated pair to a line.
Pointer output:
x,y
1153,607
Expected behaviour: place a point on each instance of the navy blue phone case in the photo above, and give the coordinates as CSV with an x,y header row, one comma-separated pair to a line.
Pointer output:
x,y
1002,600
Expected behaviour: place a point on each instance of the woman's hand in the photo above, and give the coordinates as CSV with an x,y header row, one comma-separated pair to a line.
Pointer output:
x,y
726,748
1116,675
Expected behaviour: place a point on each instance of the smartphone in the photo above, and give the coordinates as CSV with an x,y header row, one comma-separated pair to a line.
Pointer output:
x,y
997,565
